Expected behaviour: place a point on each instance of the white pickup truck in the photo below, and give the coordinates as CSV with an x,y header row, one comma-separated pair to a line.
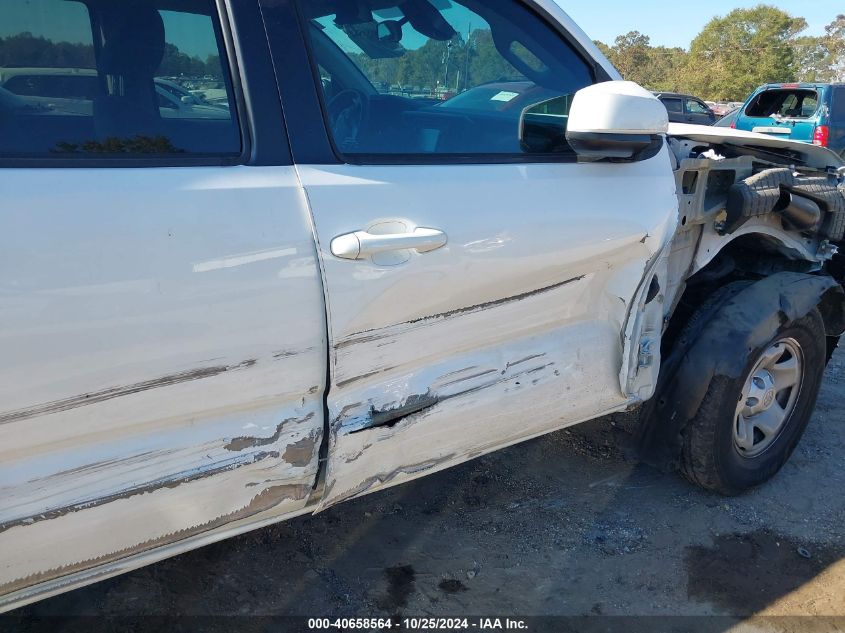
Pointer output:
x,y
347,280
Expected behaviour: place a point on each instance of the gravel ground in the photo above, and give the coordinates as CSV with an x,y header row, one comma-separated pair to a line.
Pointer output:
x,y
562,525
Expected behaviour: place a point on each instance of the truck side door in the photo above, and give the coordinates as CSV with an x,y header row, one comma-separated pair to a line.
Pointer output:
x,y
478,293
162,322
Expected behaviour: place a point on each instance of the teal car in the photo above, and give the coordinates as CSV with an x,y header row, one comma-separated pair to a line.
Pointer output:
x,y
806,112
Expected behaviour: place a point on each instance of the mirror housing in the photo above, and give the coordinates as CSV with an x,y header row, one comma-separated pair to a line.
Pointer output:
x,y
616,120
389,31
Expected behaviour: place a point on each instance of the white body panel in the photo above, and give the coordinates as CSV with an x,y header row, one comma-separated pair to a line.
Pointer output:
x,y
163,339
814,156
617,107
512,329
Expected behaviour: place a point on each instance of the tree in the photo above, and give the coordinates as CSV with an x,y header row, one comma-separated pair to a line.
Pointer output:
x,y
657,68
748,47
835,41
456,63
813,60
630,55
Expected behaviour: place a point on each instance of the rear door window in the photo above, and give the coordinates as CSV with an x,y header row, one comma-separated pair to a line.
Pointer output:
x,y
672,104
85,79
788,104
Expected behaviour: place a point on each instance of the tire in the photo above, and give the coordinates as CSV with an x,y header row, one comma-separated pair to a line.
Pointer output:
x,y
729,454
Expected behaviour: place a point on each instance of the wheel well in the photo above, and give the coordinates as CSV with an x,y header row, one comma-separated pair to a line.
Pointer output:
x,y
749,257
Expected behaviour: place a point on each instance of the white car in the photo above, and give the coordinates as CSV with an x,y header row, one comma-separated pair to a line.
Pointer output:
x,y
211,324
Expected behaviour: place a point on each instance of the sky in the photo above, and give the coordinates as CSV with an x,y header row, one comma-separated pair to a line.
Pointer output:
x,y
677,22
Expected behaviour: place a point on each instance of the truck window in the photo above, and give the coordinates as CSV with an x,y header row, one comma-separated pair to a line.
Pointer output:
x,y
672,104
442,78
792,103
84,80
696,107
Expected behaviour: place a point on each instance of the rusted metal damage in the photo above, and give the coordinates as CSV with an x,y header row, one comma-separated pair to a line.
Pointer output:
x,y
262,502
362,337
110,393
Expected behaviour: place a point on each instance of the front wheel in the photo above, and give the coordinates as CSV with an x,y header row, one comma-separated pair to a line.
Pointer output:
x,y
747,427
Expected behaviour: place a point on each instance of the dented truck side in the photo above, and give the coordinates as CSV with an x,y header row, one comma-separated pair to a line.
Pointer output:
x,y
188,357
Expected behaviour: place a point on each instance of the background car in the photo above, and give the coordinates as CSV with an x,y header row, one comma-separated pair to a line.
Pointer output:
x,y
729,120
686,108
807,112
72,91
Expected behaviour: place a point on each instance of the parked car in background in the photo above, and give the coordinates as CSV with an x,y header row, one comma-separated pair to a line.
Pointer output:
x,y
72,91
729,120
67,90
719,109
686,108
807,112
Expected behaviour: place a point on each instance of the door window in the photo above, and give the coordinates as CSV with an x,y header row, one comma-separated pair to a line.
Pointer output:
x,y
696,107
83,80
673,105
444,77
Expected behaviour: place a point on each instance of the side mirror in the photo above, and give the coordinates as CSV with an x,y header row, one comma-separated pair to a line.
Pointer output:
x,y
616,120
389,31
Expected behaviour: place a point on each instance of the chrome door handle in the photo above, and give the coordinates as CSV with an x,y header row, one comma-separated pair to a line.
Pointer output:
x,y
361,245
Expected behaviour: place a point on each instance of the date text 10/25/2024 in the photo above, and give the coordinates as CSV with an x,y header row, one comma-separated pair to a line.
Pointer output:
x,y
418,624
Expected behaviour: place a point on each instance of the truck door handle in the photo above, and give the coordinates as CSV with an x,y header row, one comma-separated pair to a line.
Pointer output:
x,y
361,244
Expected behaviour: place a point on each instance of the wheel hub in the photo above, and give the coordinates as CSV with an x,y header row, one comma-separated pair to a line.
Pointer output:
x,y
768,397
761,393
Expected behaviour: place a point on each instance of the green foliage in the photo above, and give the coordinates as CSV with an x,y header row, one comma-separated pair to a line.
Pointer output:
x,y
24,50
657,68
834,40
748,47
455,64
734,55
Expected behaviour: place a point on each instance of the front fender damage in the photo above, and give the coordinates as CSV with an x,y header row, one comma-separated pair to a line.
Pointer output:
x,y
743,320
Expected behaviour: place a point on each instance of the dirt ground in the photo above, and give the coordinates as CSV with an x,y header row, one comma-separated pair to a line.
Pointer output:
x,y
562,525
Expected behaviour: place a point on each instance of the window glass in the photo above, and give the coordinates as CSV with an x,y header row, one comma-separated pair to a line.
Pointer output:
x,y
442,77
794,104
141,79
673,105
696,107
